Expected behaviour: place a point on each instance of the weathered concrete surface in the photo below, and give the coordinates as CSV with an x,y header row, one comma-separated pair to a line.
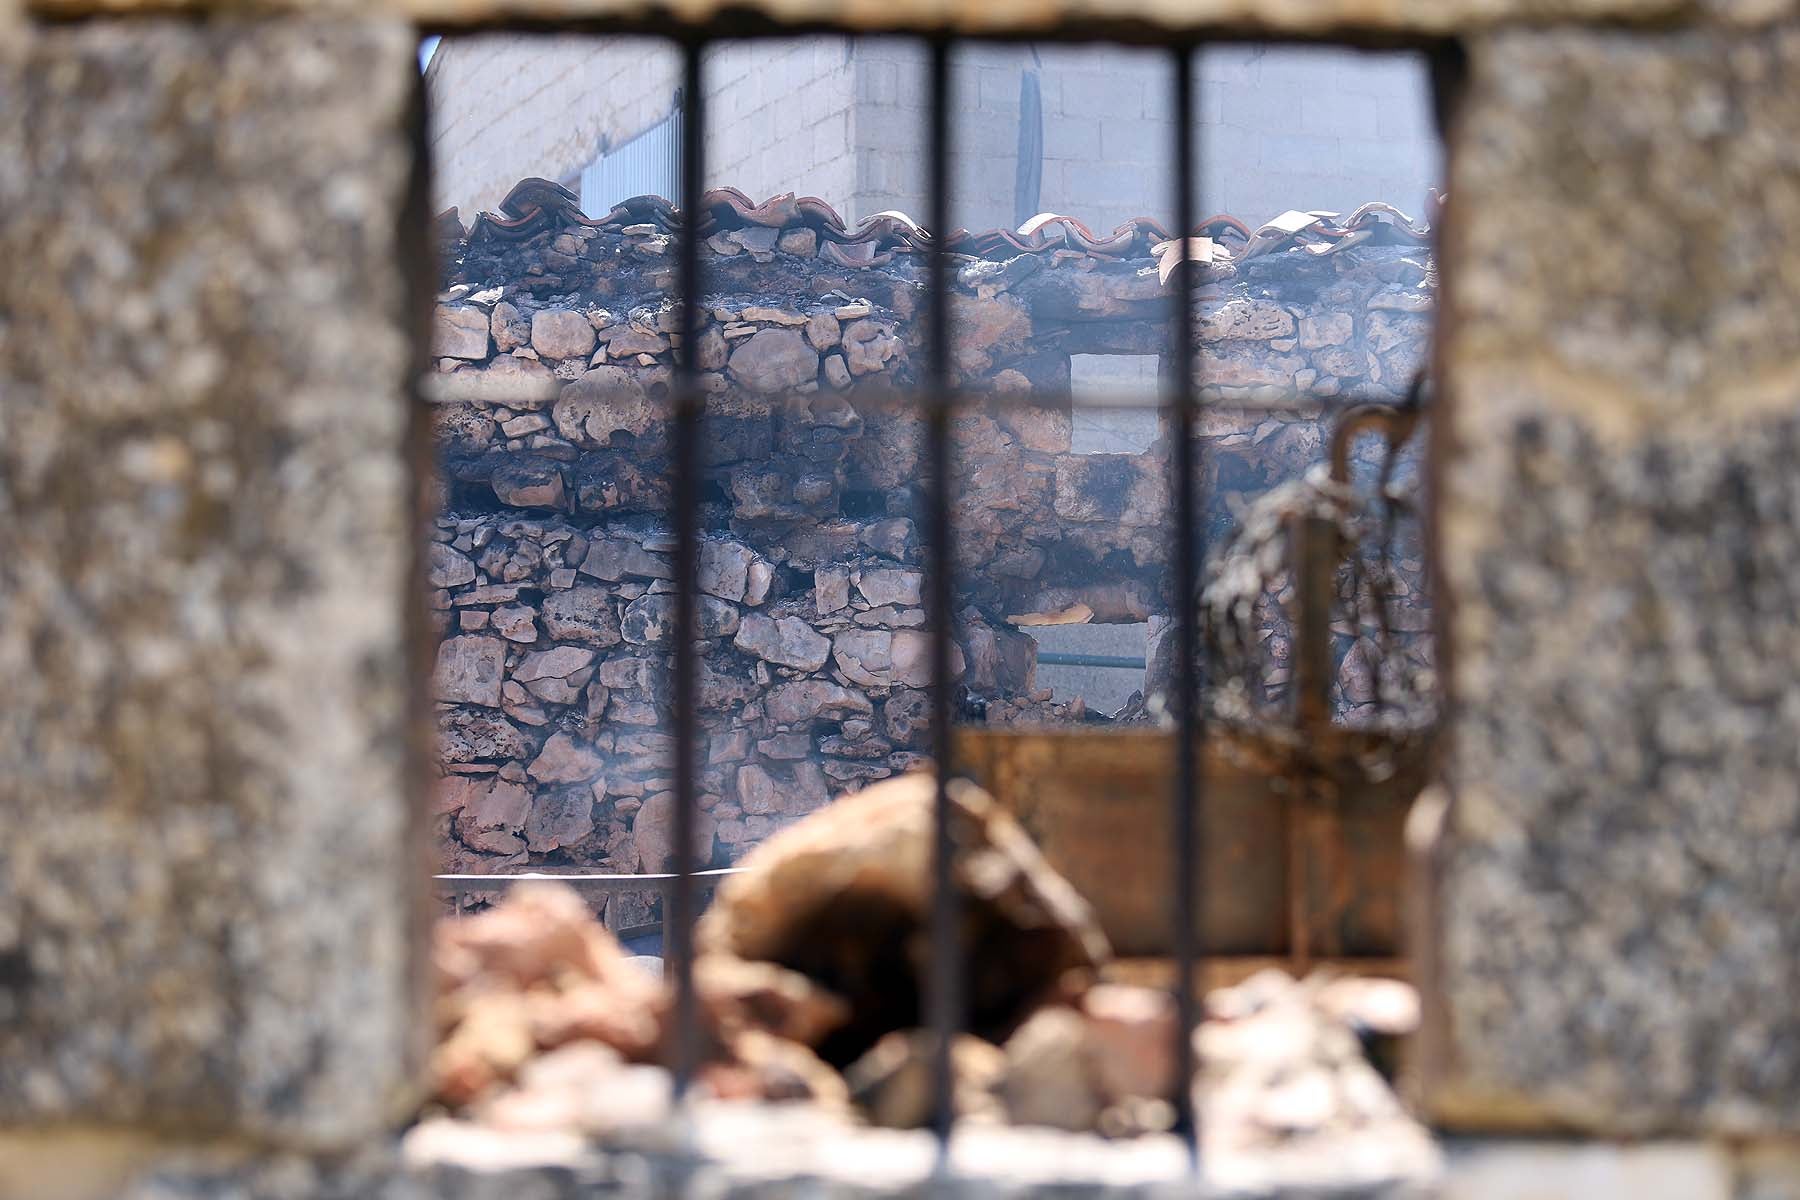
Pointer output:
x,y
1100,18
1556,1170
207,917
1615,945
126,1165
1768,1171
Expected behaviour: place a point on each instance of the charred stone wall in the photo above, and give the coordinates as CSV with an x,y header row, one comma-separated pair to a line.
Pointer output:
x,y
553,564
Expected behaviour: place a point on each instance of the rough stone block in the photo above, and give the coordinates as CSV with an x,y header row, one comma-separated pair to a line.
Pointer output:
x,y
461,331
1609,940
207,546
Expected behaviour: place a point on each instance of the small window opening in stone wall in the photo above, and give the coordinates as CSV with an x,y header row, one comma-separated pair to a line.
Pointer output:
x,y
559,343
1101,665
1131,386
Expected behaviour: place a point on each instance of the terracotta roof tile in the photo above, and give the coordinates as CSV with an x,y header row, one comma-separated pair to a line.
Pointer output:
x,y
536,205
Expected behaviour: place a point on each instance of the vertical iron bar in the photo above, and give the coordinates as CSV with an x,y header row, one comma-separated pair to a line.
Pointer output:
x,y
945,990
1190,728
689,421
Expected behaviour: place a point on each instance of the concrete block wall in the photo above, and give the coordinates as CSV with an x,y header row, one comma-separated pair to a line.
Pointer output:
x,y
1280,128
504,107
781,118
844,119
507,106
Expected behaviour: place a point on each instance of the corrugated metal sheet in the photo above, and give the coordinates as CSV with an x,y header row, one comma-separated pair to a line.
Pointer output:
x,y
646,165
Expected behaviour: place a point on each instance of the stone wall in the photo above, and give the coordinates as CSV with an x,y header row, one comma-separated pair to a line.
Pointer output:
x,y
553,564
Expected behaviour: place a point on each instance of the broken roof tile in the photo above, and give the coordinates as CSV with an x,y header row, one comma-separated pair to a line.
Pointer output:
x,y
536,205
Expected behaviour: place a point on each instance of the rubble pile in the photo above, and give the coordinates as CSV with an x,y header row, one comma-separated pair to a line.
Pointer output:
x,y
809,971
552,562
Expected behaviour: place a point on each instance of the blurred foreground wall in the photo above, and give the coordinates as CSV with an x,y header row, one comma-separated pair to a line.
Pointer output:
x,y
206,541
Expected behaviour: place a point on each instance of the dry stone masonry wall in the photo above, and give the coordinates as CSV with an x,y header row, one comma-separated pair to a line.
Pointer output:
x,y
552,569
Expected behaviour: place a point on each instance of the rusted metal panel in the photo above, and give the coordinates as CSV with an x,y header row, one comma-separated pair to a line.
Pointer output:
x,y
1096,803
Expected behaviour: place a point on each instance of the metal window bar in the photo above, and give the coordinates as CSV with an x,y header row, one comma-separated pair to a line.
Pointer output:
x,y
1190,731
944,999
689,429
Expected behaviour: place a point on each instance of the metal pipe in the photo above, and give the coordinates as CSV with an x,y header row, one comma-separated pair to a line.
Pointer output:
x,y
1191,732
689,430
1057,658
944,998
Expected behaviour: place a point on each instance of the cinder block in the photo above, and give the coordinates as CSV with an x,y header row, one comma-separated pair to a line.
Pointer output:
x,y
1128,140
1296,69
1386,156
1209,104
877,82
1127,186
1085,93
1407,117
1296,154
878,125
1264,109
990,136
1373,74
1225,63
825,96
997,91
1327,112
1075,138
1231,151
830,138
787,117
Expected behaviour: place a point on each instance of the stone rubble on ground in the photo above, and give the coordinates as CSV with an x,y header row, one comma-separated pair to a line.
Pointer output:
x,y
808,983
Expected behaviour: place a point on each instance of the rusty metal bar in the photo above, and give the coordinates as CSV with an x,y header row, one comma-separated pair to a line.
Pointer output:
x,y
1313,833
1398,423
1190,728
1313,555
944,998
689,429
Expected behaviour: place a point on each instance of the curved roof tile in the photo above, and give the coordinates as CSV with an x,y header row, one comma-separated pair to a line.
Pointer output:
x,y
536,205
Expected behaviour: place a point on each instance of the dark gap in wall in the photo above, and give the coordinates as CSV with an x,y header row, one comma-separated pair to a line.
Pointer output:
x,y
865,505
472,499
